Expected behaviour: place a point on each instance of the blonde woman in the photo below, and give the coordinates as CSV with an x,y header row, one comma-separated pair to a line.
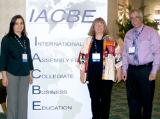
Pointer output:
x,y
98,62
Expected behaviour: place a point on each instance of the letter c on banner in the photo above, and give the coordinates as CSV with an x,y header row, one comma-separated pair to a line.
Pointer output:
x,y
52,15
35,74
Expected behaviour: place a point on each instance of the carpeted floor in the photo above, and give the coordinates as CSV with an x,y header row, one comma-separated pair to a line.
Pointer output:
x,y
119,107
2,116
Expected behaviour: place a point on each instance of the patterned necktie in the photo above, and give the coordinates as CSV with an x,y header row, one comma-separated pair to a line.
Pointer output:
x,y
135,44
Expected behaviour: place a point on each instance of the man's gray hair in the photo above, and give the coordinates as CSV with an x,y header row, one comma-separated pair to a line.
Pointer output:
x,y
138,11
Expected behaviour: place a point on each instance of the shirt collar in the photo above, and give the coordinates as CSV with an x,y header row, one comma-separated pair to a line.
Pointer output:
x,y
139,28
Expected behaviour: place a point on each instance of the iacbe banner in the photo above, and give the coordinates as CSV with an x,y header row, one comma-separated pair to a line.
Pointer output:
x,y
57,30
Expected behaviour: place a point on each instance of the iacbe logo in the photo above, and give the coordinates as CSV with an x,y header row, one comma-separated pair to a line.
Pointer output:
x,y
60,15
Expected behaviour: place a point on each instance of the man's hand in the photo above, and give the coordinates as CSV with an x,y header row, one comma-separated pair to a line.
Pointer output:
x,y
152,77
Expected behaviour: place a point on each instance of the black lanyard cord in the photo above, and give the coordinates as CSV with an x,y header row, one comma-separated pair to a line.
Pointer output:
x,y
22,45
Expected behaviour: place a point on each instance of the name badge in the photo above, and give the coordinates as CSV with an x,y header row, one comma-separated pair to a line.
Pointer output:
x,y
24,57
131,50
96,57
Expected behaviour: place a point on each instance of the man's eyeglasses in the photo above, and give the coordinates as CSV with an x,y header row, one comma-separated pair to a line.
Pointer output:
x,y
136,17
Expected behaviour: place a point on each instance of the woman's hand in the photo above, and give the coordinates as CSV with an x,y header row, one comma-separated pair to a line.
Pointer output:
x,y
119,75
124,76
5,82
4,79
30,78
82,76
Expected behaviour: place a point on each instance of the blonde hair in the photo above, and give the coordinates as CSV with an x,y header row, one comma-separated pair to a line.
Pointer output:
x,y
92,30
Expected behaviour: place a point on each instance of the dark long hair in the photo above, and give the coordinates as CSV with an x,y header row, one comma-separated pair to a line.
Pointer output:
x,y
12,23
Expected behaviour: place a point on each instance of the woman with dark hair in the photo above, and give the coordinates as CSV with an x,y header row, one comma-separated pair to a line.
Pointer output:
x,y
16,67
98,59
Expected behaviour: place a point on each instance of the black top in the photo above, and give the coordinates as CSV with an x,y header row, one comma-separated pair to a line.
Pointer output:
x,y
12,48
95,68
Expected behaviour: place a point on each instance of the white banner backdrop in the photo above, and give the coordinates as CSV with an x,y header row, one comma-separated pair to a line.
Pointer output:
x,y
57,30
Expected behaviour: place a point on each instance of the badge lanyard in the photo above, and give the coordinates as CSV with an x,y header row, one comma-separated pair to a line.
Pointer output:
x,y
24,44
135,45
95,45
96,55
137,36
24,55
